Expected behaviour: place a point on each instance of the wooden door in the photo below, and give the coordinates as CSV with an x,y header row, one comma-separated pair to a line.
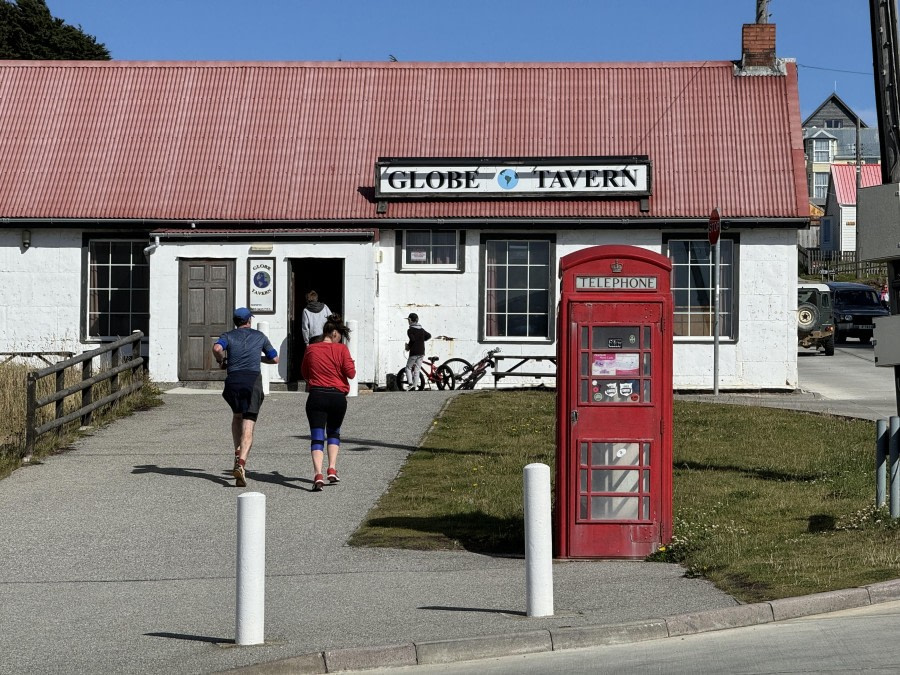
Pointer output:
x,y
206,292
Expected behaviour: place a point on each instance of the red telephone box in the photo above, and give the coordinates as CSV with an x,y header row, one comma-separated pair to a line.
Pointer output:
x,y
614,404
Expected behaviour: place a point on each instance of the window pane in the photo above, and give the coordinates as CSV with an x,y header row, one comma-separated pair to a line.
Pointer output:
x,y
118,282
518,277
518,252
537,325
518,285
120,253
496,252
692,287
537,301
417,238
518,301
517,325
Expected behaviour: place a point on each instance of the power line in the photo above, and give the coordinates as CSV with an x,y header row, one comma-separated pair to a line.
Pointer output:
x,y
834,70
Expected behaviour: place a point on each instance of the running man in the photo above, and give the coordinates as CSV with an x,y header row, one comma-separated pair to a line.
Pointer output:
x,y
240,351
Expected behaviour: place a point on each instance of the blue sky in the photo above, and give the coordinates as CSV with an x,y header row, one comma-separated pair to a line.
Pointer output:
x,y
829,39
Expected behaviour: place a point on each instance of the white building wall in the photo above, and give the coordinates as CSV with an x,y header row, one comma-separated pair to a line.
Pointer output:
x,y
764,356
848,228
42,305
40,309
359,291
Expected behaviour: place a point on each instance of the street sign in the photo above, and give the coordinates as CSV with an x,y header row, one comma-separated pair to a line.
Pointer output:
x,y
715,226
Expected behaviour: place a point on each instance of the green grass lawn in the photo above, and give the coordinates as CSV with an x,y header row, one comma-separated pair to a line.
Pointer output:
x,y
768,503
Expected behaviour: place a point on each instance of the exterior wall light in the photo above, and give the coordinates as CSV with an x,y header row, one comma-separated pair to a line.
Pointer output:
x,y
26,239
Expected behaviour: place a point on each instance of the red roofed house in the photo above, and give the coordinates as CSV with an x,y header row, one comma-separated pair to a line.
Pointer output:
x,y
838,225
158,196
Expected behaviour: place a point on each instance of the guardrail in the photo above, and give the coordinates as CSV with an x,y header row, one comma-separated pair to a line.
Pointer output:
x,y
85,388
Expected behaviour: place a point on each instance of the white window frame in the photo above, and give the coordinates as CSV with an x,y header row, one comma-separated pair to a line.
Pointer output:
x,y
821,155
111,286
405,252
820,184
489,309
698,267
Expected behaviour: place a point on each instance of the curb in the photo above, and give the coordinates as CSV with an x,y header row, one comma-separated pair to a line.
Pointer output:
x,y
530,642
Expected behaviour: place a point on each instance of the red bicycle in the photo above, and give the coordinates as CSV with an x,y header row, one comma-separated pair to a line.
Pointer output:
x,y
467,375
431,373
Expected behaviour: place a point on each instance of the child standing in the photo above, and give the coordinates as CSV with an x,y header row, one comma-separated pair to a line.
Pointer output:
x,y
416,345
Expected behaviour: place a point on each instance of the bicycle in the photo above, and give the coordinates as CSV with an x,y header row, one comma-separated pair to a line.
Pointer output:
x,y
442,376
467,375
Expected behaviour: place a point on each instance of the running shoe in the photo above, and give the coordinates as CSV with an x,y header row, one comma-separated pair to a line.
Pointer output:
x,y
240,476
318,482
332,476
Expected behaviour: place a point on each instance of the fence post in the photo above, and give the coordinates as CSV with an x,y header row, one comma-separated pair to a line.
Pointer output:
x,y
881,452
893,468
87,394
115,361
31,399
61,403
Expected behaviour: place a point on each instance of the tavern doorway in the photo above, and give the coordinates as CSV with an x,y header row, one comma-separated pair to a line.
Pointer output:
x,y
326,277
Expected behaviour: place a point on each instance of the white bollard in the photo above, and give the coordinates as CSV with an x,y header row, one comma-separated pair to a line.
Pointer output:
x,y
538,541
354,340
250,611
263,326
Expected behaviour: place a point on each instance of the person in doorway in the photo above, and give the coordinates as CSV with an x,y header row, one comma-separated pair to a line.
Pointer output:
x,y
327,368
313,319
240,352
417,336
885,296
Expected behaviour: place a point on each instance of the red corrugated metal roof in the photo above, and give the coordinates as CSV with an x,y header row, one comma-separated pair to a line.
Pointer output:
x,y
844,178
298,141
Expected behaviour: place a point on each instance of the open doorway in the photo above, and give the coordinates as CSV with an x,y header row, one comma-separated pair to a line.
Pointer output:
x,y
326,277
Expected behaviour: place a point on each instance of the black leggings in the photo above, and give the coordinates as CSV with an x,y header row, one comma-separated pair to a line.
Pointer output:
x,y
325,410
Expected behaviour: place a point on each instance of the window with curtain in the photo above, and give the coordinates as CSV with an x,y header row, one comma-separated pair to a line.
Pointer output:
x,y
820,185
517,282
430,250
693,287
821,150
118,288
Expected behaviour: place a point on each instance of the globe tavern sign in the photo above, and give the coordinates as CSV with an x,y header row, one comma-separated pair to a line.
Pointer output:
x,y
553,177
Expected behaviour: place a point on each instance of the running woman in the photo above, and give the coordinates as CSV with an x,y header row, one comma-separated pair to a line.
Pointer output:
x,y
327,368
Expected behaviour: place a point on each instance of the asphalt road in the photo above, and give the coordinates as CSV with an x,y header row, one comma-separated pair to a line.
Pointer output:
x,y
859,640
849,379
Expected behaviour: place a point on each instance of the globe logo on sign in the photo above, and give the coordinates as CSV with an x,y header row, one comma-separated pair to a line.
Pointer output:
x,y
507,179
262,280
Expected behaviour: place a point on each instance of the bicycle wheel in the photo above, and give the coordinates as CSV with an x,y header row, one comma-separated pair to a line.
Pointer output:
x,y
403,385
473,378
460,368
445,378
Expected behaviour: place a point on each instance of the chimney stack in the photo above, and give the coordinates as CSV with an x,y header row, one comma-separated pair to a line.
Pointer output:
x,y
758,45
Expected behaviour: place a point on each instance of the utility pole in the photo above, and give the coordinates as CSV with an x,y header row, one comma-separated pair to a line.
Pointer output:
x,y
883,24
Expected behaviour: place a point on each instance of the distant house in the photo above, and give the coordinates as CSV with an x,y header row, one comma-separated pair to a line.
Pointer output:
x,y
830,137
838,228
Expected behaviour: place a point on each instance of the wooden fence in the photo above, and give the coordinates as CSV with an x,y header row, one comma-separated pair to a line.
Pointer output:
x,y
828,264
84,388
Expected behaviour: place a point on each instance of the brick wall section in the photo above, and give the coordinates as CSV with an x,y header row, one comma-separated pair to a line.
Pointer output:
x,y
758,44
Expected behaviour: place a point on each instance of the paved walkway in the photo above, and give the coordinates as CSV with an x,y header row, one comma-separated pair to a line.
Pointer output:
x,y
119,557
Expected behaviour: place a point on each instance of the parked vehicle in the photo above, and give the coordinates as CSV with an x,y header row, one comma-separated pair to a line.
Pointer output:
x,y
855,307
815,327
